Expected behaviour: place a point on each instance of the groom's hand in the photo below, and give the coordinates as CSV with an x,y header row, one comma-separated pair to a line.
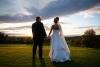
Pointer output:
x,y
48,37
45,38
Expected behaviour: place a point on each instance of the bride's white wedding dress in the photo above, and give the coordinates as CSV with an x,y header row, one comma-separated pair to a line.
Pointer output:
x,y
59,51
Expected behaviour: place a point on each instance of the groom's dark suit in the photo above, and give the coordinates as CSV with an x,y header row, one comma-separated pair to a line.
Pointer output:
x,y
38,37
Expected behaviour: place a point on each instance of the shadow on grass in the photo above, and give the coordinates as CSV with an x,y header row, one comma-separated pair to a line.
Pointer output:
x,y
33,63
67,64
42,63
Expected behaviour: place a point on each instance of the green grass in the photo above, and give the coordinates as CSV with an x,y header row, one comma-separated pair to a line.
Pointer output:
x,y
21,56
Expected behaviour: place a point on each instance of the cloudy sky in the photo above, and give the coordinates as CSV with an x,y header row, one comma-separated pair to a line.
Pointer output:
x,y
76,16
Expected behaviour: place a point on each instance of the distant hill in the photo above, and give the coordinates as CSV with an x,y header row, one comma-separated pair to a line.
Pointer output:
x,y
71,40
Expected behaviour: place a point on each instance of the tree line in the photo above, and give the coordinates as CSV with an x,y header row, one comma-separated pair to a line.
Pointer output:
x,y
88,39
5,39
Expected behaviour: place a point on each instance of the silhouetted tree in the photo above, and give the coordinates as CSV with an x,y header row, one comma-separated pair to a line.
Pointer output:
x,y
3,37
89,39
89,32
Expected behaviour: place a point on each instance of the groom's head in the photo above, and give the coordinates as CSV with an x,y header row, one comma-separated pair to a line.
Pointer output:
x,y
38,19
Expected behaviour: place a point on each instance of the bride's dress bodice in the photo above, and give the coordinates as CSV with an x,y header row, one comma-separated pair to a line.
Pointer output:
x,y
56,32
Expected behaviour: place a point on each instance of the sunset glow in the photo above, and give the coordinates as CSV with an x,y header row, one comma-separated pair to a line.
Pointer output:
x,y
16,17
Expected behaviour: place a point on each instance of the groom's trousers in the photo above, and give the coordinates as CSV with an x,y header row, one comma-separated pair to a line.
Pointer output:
x,y
38,42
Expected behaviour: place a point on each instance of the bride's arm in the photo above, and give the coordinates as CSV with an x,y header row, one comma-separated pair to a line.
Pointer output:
x,y
50,31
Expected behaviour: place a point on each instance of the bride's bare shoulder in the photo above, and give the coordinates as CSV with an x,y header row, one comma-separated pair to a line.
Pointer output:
x,y
55,26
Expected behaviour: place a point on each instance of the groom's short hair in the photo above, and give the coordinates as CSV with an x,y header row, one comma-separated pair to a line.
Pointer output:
x,y
38,17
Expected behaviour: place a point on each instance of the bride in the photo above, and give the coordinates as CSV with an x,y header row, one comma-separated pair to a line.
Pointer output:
x,y
59,51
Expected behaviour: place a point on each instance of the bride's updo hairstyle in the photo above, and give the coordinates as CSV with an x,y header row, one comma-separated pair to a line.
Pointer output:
x,y
56,20
56,27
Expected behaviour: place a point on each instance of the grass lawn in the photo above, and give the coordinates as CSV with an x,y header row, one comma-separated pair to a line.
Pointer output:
x,y
21,56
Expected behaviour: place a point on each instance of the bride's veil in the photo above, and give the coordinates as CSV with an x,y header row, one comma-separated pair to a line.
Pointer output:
x,y
61,32
63,38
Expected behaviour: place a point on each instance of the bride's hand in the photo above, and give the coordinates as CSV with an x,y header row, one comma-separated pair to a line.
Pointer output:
x,y
48,37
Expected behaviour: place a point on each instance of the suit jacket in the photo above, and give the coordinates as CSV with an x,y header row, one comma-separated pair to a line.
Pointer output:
x,y
38,30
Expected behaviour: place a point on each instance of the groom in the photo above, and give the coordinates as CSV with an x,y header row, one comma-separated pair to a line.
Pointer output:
x,y
39,34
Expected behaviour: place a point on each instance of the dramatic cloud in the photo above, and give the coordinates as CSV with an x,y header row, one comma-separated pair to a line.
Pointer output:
x,y
24,10
21,27
11,7
16,18
95,10
13,10
65,7
15,28
90,12
38,4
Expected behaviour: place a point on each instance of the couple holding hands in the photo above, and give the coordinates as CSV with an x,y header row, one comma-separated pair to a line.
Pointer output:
x,y
59,50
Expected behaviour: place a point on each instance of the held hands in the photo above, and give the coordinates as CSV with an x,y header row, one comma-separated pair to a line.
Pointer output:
x,y
48,37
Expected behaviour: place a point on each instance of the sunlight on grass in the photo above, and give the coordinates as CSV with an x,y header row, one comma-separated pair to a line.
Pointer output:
x,y
21,56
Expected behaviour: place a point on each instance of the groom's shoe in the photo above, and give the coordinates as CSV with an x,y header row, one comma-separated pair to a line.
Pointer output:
x,y
40,58
33,57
